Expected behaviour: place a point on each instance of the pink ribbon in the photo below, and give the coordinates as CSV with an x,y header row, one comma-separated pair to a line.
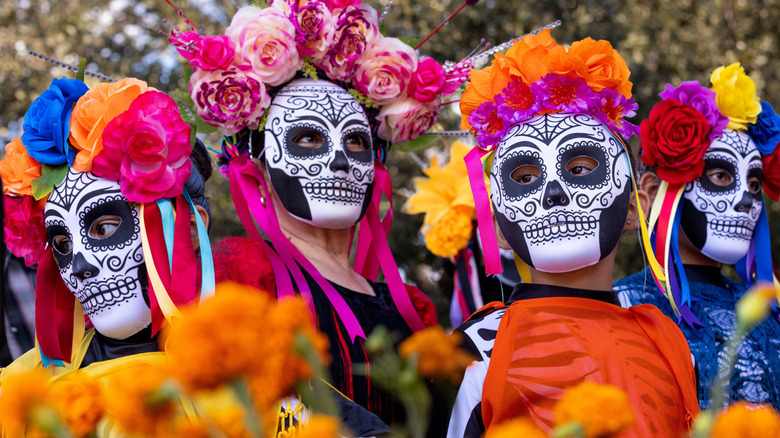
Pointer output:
x,y
487,231
366,261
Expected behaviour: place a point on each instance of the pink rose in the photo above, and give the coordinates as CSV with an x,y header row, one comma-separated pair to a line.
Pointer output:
x,y
146,149
214,52
406,120
186,43
265,38
25,232
229,99
385,71
341,4
315,26
356,30
427,81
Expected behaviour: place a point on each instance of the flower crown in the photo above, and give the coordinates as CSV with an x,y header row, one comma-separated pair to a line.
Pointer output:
x,y
266,47
682,126
122,131
539,76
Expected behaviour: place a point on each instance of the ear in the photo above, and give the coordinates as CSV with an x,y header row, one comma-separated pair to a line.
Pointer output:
x,y
502,243
632,219
649,182
194,225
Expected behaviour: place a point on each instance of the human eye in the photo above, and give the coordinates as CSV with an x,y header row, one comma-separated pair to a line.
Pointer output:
x,y
104,227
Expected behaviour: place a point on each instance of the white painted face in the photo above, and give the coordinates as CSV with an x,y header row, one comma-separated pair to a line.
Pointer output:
x,y
560,187
721,208
95,236
318,153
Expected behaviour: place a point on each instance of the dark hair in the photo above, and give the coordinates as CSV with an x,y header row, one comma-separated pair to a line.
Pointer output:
x,y
201,172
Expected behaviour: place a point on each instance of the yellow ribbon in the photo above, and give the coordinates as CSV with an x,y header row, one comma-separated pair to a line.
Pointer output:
x,y
167,307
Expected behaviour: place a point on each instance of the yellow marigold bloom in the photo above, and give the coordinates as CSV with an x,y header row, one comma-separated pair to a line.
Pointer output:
x,y
134,402
451,232
515,428
747,421
736,96
754,306
603,410
438,355
21,394
79,403
321,426
230,421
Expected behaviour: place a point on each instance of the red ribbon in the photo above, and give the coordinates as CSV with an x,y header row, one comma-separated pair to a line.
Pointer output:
x,y
54,307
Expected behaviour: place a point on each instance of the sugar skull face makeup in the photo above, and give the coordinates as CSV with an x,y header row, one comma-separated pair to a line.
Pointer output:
x,y
95,236
721,208
318,153
560,187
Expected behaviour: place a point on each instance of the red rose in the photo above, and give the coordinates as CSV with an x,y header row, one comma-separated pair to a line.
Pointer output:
x,y
772,174
675,139
427,81
25,233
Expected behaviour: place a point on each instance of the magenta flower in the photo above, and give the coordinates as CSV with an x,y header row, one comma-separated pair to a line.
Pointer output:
x,y
558,93
186,43
214,52
146,149
25,232
612,109
427,81
516,102
489,125
702,100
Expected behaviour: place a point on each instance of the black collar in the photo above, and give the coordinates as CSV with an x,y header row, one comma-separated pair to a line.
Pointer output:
x,y
528,291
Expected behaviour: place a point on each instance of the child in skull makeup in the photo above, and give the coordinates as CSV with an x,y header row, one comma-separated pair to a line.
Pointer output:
x,y
123,163
709,211
561,188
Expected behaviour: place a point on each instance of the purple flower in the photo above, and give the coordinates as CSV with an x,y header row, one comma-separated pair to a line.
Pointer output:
x,y
612,109
490,128
557,93
766,131
702,100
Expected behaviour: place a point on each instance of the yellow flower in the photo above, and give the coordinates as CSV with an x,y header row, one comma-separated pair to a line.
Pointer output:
x,y
438,355
518,427
136,402
320,426
747,421
230,421
79,403
21,394
753,307
451,232
602,410
736,96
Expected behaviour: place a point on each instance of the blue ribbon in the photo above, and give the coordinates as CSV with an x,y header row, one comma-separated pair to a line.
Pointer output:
x,y
208,281
168,221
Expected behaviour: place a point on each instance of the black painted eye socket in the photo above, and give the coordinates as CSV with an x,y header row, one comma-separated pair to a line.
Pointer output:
x,y
105,227
62,244
355,143
309,139
719,177
526,174
754,185
581,166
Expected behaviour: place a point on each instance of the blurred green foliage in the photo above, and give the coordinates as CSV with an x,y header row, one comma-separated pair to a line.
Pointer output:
x,y
662,41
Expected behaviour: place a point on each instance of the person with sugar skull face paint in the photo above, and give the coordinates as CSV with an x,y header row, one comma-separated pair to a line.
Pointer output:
x,y
561,185
308,96
710,152
92,218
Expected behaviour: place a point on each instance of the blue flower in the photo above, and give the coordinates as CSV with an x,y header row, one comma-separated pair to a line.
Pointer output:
x,y
47,122
766,131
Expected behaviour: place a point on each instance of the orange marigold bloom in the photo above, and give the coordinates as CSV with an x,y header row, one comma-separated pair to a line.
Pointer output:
x,y
230,421
747,421
320,426
18,169
529,54
451,232
605,67
21,393
79,403
603,410
134,402
518,427
93,111
438,355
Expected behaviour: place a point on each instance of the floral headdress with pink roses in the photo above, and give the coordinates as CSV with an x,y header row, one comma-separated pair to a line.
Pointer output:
x,y
125,132
675,138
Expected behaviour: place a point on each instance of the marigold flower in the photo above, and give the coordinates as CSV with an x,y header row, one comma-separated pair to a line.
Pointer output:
x,y
21,394
747,421
134,401
518,427
79,403
438,355
736,96
603,410
451,233
753,307
320,426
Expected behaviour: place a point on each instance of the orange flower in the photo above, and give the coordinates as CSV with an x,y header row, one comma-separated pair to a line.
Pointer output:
x,y
21,394
477,92
529,54
18,169
92,113
230,421
320,426
135,402
603,410
79,403
438,355
747,421
451,232
605,67
518,427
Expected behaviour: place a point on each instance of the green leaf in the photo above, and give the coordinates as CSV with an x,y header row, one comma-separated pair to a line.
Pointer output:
x,y
420,142
410,41
82,69
50,177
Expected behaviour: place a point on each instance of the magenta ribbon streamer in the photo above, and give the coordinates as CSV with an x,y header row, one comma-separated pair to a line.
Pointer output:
x,y
487,231
366,261
248,198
